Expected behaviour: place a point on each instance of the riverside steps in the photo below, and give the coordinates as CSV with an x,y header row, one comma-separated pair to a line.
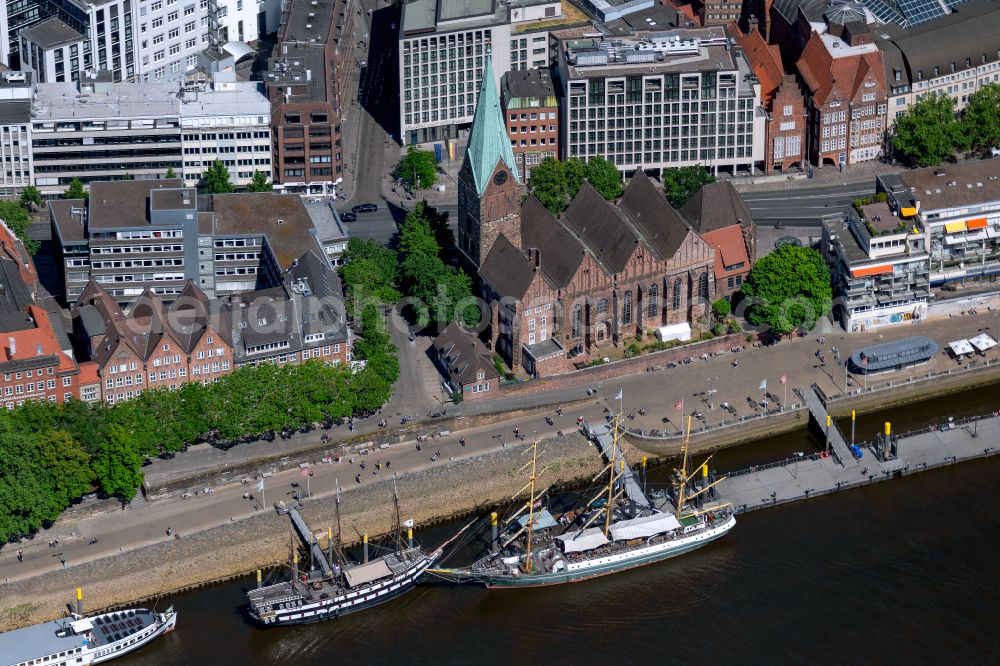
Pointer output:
x,y
802,477
834,437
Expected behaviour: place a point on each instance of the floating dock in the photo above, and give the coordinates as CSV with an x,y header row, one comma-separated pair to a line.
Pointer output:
x,y
805,476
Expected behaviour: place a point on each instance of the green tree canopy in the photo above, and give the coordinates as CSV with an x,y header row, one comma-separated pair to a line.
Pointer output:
x,y
682,183
721,308
418,168
981,119
17,219
416,236
576,173
548,183
31,197
75,190
605,177
927,132
170,173
117,464
788,289
216,179
369,273
259,183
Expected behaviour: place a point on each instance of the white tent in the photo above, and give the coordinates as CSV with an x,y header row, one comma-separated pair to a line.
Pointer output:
x,y
644,527
587,539
366,573
983,342
674,332
960,347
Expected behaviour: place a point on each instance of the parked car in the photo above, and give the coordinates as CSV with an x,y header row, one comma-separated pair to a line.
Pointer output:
x,y
365,208
349,217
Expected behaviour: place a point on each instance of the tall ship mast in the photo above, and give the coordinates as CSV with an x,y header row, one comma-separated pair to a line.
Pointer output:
x,y
80,639
332,585
619,528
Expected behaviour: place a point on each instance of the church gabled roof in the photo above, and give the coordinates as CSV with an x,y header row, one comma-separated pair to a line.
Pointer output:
x,y
488,140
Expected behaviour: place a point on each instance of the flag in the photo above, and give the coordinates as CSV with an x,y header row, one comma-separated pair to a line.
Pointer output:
x,y
408,523
619,396
537,504
260,486
783,380
763,385
679,406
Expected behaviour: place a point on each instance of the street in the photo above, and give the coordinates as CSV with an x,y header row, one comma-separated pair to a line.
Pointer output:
x,y
802,206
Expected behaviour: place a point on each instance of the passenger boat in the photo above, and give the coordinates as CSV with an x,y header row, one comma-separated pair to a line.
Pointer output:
x,y
79,639
620,528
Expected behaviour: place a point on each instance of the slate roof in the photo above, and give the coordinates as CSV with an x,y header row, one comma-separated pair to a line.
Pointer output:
x,y
189,316
560,252
51,33
507,270
463,355
653,218
715,206
320,307
14,293
602,228
488,139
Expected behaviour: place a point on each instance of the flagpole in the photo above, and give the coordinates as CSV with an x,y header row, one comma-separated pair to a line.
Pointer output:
x,y
784,400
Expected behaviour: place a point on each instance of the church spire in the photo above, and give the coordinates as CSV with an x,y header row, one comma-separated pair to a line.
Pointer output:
x,y
488,140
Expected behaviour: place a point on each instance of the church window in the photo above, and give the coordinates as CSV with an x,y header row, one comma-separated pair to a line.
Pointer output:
x,y
577,322
703,287
677,294
602,306
651,305
627,307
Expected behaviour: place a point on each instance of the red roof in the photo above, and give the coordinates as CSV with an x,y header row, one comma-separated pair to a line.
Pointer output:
x,y
37,341
842,77
730,250
88,373
765,59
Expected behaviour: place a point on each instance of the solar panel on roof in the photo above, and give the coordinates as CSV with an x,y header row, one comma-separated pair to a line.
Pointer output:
x,y
909,13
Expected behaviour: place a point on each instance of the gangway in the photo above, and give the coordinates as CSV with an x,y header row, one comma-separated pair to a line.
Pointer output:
x,y
604,438
305,534
834,437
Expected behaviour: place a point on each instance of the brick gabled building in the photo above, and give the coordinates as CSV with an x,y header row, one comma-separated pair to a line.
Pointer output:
x,y
783,102
725,222
846,98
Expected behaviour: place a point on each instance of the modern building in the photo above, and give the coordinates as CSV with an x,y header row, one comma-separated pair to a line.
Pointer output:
x,y
782,102
169,37
441,51
846,98
133,235
958,206
307,82
953,55
879,268
679,98
52,51
531,109
16,166
331,234
566,287
96,130
466,364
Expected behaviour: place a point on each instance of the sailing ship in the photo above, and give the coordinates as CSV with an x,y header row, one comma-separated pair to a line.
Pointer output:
x,y
79,639
333,585
620,528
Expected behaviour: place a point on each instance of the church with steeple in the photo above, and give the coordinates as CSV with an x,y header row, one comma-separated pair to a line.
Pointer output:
x,y
563,287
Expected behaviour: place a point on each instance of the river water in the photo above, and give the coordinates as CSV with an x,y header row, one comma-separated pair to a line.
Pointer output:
x,y
898,572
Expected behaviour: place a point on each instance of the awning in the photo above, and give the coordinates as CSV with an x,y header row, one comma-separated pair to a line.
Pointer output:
x,y
587,539
977,223
992,233
983,342
960,347
907,212
979,235
954,227
871,270
366,573
80,626
543,520
680,331
646,526
238,50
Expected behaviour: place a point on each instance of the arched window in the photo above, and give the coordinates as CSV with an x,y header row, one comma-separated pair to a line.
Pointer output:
x,y
577,326
602,306
703,287
677,294
651,306
627,307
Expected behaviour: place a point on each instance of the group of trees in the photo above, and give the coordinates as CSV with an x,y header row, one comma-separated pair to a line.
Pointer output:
x,y
417,169
52,454
682,184
215,180
929,131
15,214
788,289
554,183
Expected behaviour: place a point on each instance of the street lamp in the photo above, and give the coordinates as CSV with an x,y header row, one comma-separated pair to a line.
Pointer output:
x,y
711,392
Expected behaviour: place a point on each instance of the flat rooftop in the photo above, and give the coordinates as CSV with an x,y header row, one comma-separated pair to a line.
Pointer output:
x,y
527,83
954,185
299,69
51,33
838,48
180,199
282,218
677,50
119,204
428,16
62,101
245,98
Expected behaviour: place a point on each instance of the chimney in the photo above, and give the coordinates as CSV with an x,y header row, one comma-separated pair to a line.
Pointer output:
x,y
12,343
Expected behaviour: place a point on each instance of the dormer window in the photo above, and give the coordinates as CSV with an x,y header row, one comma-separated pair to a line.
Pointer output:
x,y
480,375
937,71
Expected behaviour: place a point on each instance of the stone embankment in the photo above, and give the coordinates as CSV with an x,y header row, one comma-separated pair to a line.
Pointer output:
x,y
450,490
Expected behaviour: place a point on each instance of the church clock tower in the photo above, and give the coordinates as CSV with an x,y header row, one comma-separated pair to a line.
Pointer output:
x,y
489,185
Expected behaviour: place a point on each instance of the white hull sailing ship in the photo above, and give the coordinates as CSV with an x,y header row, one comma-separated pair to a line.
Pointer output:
x,y
620,528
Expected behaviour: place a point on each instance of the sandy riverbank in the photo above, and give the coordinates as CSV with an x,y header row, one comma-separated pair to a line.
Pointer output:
x,y
453,489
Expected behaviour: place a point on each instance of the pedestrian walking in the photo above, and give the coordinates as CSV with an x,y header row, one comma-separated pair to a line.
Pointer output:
x,y
20,556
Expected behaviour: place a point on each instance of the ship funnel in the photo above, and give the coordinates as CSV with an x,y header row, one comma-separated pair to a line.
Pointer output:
x,y
79,601
364,539
888,428
493,531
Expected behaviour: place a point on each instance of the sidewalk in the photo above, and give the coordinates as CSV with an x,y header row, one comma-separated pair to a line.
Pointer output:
x,y
827,175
